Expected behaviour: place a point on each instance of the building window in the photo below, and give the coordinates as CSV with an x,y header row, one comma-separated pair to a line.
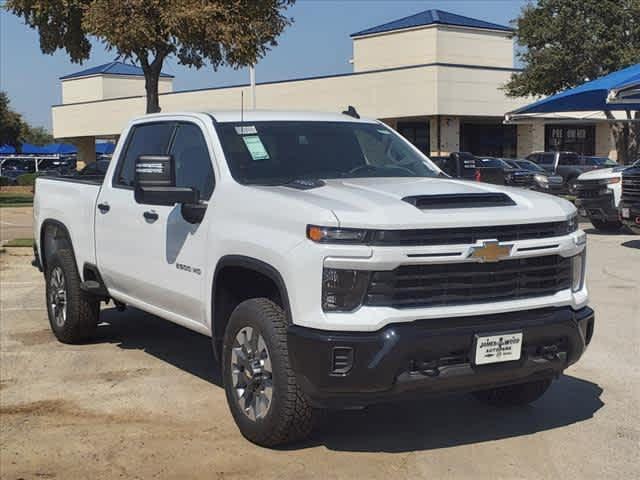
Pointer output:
x,y
417,133
570,138
489,139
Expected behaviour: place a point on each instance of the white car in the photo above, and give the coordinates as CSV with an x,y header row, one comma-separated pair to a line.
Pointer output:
x,y
598,194
332,264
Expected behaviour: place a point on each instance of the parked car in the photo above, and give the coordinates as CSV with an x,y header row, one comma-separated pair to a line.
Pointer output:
x,y
331,262
466,166
569,165
598,197
513,175
630,201
542,180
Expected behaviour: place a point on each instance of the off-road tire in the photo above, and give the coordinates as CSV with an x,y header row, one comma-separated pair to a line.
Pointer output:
x,y
82,309
514,395
289,418
606,226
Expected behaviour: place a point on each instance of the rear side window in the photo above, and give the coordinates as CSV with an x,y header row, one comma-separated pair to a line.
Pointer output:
x,y
546,158
191,156
147,139
569,159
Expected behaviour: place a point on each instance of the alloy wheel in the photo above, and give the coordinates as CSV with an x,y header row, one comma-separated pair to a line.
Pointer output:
x,y
58,296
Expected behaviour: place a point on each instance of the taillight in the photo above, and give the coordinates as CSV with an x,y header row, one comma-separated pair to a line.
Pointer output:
x,y
478,176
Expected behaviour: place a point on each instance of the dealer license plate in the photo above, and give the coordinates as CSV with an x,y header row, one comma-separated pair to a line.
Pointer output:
x,y
501,347
625,213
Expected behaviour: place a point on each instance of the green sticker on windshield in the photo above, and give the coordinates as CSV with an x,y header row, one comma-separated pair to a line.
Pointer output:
x,y
255,147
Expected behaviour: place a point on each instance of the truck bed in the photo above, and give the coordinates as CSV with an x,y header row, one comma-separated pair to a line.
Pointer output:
x,y
70,201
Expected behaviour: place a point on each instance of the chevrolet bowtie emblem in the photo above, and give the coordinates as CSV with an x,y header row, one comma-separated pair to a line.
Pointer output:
x,y
491,251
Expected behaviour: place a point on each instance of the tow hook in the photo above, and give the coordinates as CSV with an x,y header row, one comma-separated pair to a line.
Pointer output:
x,y
549,352
430,369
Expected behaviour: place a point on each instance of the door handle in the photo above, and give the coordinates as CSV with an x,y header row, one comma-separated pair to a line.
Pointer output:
x,y
150,215
103,207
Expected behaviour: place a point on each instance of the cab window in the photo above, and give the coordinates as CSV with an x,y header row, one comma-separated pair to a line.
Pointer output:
x,y
191,157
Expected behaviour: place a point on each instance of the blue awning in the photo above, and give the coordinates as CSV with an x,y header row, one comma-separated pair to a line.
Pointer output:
x,y
31,149
60,149
590,96
105,148
7,149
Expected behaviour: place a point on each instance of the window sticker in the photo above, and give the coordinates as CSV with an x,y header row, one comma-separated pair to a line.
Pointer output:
x,y
255,147
246,130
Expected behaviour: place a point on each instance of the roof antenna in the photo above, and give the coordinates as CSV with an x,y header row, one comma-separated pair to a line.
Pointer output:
x,y
241,106
351,111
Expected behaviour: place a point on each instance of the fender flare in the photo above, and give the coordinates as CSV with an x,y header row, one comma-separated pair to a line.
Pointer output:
x,y
259,266
62,227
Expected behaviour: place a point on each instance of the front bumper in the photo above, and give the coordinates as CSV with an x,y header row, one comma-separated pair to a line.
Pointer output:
x,y
633,220
433,356
601,207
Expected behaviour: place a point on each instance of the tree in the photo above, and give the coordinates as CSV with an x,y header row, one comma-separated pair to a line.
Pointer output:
x,y
565,43
236,33
11,125
35,135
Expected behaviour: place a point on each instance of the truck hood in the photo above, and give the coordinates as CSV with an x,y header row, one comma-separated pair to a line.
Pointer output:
x,y
378,203
602,173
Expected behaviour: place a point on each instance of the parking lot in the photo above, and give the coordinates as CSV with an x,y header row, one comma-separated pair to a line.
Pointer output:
x,y
144,400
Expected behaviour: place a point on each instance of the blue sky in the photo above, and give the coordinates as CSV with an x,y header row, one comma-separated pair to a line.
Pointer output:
x,y
317,43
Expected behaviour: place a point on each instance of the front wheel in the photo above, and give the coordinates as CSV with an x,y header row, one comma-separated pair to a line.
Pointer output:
x,y
514,395
263,396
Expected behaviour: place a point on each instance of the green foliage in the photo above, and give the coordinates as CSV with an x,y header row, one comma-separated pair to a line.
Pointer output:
x,y
11,123
36,135
10,199
20,242
564,43
27,179
5,181
219,32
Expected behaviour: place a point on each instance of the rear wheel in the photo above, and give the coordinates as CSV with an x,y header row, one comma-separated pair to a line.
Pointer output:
x,y
73,313
606,226
514,395
266,403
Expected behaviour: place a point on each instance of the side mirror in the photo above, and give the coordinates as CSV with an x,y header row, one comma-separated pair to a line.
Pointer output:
x,y
155,182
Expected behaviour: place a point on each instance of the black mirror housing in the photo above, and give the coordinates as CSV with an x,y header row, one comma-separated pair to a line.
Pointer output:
x,y
155,182
165,195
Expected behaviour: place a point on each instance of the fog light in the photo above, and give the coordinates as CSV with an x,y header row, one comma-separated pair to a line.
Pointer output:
x,y
341,360
577,271
343,290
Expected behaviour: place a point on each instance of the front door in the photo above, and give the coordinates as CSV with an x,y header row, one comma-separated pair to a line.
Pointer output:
x,y
148,254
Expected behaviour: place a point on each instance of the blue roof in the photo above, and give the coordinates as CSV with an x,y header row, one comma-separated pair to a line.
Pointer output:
x,y
60,148
111,68
5,149
29,148
105,148
432,17
590,96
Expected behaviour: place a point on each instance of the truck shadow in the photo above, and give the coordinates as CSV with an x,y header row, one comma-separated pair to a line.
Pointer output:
x,y
631,244
432,423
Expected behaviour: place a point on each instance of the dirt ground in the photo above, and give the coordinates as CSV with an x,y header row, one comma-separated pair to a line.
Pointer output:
x,y
15,222
144,401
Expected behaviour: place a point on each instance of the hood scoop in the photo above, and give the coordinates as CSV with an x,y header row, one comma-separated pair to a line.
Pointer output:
x,y
460,200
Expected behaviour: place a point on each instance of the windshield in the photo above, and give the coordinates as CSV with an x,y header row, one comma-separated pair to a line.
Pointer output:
x,y
491,163
529,165
277,153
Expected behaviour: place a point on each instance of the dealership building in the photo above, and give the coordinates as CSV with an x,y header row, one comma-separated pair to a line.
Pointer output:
x,y
435,76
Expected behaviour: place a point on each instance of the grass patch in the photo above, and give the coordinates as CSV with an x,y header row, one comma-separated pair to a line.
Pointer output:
x,y
13,199
20,242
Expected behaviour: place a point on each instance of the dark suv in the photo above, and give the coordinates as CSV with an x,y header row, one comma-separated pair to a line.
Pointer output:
x,y
568,165
630,200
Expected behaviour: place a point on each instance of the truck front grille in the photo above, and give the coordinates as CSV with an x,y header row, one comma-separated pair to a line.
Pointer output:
x,y
468,235
590,188
452,284
523,179
631,188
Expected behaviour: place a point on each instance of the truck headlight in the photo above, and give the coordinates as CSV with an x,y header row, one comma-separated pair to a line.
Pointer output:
x,y
541,180
336,234
343,290
577,271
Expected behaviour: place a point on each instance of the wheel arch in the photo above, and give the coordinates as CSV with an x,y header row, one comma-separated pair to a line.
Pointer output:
x,y
221,306
59,238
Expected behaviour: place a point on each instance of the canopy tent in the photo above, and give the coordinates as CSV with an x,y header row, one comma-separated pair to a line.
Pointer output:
x,y
7,149
619,91
30,149
60,149
105,148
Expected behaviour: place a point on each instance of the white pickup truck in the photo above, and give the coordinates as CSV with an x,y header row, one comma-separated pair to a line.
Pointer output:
x,y
333,265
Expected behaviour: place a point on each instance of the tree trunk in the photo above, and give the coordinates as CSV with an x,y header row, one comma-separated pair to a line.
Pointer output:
x,y
626,136
151,79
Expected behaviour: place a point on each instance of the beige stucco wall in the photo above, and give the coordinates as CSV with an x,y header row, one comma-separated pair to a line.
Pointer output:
x,y
530,138
449,135
410,92
605,145
84,89
394,49
86,150
474,47
101,87
435,43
